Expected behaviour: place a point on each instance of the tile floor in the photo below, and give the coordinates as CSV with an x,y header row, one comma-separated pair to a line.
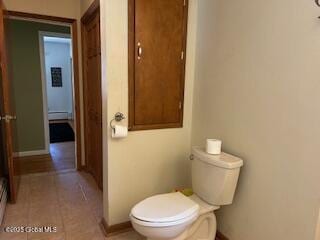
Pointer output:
x,y
68,200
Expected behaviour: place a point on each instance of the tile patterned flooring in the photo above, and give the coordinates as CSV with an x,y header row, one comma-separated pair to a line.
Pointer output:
x,y
68,200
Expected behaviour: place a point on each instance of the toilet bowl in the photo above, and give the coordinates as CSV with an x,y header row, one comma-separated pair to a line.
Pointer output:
x,y
164,216
173,216
162,231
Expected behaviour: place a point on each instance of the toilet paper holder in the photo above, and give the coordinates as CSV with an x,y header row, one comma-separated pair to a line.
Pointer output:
x,y
118,117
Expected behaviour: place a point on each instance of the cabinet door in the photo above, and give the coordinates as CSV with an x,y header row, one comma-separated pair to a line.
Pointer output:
x,y
157,38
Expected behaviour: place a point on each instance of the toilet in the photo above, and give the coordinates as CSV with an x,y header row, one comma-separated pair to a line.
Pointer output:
x,y
175,216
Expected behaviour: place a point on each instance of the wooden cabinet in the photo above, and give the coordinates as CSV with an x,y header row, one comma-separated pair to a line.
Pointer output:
x,y
157,46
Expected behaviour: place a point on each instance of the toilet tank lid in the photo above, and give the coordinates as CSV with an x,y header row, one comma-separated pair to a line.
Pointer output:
x,y
223,160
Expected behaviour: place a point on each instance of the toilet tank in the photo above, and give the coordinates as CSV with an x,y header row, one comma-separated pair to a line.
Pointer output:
x,y
215,177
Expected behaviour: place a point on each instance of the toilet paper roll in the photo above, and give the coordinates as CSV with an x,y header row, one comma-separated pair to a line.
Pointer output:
x,y
119,131
214,146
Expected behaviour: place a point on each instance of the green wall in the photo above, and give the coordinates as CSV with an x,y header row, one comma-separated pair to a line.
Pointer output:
x,y
25,69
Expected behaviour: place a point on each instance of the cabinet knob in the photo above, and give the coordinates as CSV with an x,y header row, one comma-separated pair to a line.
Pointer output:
x,y
139,50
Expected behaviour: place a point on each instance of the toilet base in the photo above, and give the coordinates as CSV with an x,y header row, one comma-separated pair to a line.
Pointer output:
x,y
204,228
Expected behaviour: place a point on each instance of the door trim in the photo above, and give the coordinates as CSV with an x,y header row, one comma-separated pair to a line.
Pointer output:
x,y
33,16
94,7
30,153
44,80
75,55
5,85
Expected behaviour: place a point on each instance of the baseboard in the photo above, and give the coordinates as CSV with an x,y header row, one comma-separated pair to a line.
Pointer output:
x,y
82,168
127,226
220,236
104,226
115,229
59,115
31,153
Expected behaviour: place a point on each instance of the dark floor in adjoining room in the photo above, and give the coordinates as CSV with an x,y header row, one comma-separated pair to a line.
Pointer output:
x,y
61,132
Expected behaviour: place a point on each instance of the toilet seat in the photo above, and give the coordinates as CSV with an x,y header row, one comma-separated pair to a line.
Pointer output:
x,y
165,210
163,224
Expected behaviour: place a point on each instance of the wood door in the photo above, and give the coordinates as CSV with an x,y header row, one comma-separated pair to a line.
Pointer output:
x,y
7,124
92,94
157,35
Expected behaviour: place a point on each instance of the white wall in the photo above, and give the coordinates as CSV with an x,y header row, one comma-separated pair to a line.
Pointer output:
x,y
68,9
59,98
257,88
146,162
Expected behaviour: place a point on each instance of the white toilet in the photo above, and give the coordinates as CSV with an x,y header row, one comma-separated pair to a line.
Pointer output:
x,y
175,216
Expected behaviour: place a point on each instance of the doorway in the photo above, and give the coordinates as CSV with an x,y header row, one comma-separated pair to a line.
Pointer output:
x,y
57,81
69,201
55,84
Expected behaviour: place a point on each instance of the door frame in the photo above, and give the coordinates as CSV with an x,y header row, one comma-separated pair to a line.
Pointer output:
x,y
44,80
94,7
7,110
75,55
